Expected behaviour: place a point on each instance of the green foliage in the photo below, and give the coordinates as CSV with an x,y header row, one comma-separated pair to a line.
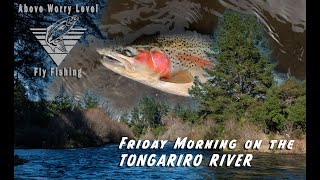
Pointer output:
x,y
272,111
148,114
138,129
242,73
152,111
124,118
62,102
284,104
156,131
187,115
138,126
20,97
242,68
135,114
241,84
28,113
297,112
39,113
216,132
90,100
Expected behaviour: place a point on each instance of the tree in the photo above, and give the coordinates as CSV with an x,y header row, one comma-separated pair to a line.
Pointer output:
x,y
90,100
138,127
243,72
135,115
272,111
186,114
62,102
147,114
21,100
151,111
284,104
124,118
297,113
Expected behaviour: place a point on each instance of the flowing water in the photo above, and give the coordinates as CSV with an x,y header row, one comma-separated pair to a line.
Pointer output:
x,y
102,163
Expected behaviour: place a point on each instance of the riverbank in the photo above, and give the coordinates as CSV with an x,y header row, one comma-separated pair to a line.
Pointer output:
x,y
175,128
73,129
93,128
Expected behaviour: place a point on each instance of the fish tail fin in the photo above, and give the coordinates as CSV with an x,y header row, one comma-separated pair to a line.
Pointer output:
x,y
61,46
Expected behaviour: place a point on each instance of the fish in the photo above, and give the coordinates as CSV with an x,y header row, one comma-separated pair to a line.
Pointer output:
x,y
167,62
56,31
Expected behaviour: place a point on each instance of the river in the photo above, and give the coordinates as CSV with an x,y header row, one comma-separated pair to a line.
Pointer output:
x,y
102,163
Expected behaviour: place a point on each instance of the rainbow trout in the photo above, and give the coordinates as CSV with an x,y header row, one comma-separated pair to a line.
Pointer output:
x,y
165,62
56,31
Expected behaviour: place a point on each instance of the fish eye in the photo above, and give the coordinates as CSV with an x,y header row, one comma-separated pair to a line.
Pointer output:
x,y
129,51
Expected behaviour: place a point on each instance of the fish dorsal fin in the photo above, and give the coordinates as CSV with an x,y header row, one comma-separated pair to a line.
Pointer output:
x,y
180,77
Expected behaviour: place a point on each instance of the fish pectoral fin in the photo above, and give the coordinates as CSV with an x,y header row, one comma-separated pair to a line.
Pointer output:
x,y
180,78
61,46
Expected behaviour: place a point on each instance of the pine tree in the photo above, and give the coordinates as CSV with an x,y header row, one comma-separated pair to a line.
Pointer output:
x,y
285,104
243,72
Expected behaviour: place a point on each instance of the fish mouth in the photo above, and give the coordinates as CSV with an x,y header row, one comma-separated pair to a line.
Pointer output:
x,y
117,60
112,61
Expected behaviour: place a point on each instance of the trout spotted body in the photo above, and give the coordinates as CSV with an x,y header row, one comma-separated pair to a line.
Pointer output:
x,y
174,59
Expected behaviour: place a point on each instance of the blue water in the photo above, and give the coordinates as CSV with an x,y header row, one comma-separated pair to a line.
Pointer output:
x,y
102,163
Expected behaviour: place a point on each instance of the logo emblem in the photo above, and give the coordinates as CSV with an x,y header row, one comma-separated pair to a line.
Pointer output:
x,y
59,38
